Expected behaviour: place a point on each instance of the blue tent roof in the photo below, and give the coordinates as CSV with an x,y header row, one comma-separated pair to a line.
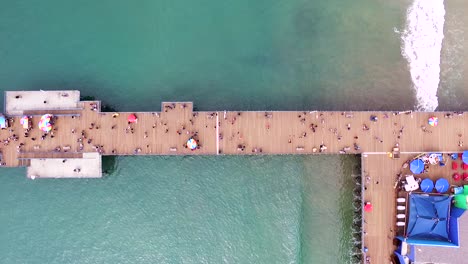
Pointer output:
x,y
429,217
465,157
427,185
417,166
442,185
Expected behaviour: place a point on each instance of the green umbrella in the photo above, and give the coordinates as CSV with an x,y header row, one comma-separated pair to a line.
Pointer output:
x,y
460,201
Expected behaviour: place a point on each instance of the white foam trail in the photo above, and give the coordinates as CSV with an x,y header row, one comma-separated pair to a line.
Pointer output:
x,y
421,46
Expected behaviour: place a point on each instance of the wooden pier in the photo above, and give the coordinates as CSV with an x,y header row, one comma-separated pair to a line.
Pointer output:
x,y
81,128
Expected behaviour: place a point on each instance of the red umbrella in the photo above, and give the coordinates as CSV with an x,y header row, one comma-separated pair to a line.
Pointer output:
x,y
456,177
368,207
465,176
454,165
465,166
132,118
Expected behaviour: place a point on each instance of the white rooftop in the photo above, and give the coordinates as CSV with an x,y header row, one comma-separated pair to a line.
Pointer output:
x,y
90,166
16,102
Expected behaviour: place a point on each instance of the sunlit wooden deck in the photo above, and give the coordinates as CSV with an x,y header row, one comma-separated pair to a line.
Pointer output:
x,y
166,132
87,129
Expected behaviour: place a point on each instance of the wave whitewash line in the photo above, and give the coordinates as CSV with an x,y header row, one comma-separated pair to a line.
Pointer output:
x,y
88,130
421,46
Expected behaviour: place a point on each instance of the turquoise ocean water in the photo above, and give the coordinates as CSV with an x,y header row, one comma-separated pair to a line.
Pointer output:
x,y
277,209
222,55
280,55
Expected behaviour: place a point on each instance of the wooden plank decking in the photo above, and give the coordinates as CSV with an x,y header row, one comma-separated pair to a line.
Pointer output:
x,y
379,226
247,133
165,133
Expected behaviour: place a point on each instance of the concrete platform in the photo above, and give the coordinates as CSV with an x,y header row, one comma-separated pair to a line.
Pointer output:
x,y
18,102
90,166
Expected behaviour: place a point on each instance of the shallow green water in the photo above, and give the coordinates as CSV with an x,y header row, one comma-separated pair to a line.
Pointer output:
x,y
241,54
221,55
275,209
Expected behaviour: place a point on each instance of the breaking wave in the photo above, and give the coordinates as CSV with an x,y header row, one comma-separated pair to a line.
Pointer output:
x,y
421,46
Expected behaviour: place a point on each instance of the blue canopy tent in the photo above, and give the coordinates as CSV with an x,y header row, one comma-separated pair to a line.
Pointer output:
x,y
3,122
429,221
465,157
442,185
417,166
427,185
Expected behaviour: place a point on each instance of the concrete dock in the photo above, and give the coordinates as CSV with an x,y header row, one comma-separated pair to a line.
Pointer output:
x,y
82,133
87,165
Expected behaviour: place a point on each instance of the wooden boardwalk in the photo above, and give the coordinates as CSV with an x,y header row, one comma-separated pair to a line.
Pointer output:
x,y
250,133
379,226
165,133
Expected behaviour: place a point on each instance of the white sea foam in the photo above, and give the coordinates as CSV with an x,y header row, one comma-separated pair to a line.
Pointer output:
x,y
421,46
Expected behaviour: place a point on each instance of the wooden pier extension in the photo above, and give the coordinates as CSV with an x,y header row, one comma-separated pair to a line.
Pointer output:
x,y
81,128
